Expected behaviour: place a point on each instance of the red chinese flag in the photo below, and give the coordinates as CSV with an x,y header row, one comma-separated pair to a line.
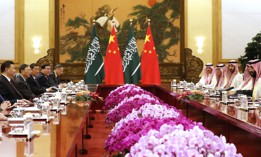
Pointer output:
x,y
149,61
113,62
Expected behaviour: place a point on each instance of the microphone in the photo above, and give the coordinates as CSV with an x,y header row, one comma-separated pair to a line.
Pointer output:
x,y
225,89
228,89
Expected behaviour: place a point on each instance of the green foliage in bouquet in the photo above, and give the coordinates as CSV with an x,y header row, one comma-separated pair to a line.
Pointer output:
x,y
195,95
84,96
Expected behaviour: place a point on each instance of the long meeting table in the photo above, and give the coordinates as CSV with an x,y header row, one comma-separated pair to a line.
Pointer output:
x,y
66,135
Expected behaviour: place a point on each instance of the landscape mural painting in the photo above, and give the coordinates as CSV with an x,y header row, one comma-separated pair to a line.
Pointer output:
x,y
76,22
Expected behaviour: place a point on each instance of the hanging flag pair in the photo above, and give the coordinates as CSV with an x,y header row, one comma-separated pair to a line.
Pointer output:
x,y
116,70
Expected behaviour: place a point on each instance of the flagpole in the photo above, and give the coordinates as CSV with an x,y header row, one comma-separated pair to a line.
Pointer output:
x,y
113,25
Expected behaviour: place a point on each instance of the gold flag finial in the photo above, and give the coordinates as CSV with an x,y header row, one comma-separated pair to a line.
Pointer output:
x,y
130,21
149,21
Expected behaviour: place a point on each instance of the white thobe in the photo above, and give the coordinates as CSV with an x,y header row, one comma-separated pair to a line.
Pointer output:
x,y
209,86
257,90
237,81
248,86
223,85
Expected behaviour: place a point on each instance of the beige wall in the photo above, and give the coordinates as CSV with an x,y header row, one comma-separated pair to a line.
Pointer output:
x,y
36,24
198,22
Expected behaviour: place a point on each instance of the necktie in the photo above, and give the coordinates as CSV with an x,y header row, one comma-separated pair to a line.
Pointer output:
x,y
27,85
12,84
36,82
56,80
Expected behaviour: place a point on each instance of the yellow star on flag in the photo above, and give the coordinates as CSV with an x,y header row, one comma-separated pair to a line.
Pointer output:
x,y
111,39
147,38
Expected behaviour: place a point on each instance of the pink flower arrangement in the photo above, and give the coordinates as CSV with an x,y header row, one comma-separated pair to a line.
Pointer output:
x,y
120,93
146,126
176,140
133,130
127,105
148,110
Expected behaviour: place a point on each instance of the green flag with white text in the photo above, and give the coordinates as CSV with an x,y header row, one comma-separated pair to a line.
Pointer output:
x,y
94,70
131,60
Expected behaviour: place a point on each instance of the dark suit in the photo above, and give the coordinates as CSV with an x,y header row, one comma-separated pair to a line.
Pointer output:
x,y
23,87
7,90
54,80
35,87
43,80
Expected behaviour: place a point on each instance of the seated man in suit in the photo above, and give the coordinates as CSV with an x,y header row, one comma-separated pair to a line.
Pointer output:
x,y
43,77
34,85
54,76
21,84
7,86
7,104
13,103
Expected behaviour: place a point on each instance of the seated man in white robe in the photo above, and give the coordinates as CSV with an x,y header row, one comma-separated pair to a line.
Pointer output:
x,y
252,76
255,69
208,80
257,90
233,77
220,76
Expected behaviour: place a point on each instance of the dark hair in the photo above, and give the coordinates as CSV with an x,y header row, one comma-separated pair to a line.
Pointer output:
x,y
58,66
44,65
6,64
33,65
22,67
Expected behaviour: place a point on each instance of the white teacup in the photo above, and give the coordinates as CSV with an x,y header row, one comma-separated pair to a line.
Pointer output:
x,y
36,115
35,99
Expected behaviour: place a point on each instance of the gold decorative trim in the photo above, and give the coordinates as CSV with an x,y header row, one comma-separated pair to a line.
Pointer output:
x,y
51,23
19,32
217,31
